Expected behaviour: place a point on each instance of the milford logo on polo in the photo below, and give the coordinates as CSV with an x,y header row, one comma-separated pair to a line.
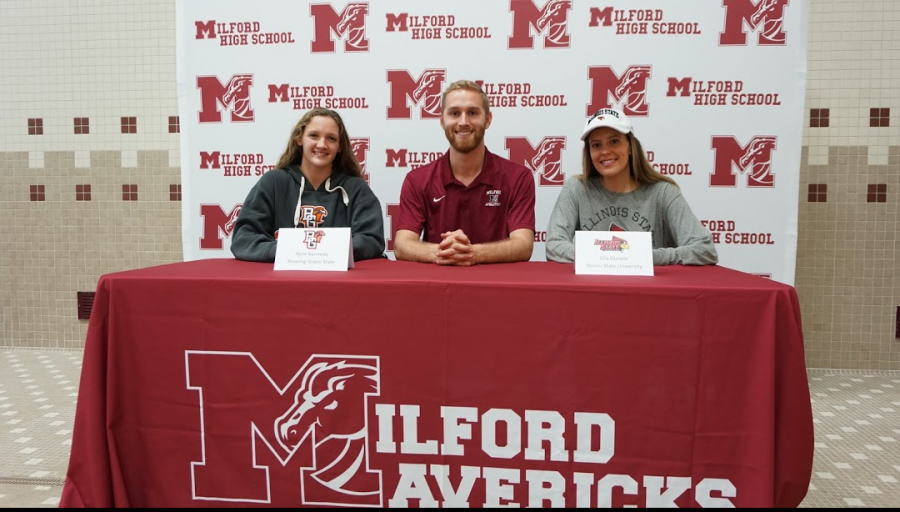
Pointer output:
x,y
438,199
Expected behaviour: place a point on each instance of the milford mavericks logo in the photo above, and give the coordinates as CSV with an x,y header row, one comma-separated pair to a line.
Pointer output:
x,y
262,431
754,159
217,224
546,157
349,25
616,244
330,393
628,91
424,91
552,20
233,95
765,17
317,421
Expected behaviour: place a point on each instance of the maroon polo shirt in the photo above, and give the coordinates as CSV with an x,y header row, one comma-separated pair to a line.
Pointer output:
x,y
499,201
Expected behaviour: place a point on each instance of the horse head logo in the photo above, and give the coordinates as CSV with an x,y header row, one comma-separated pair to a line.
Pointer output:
x,y
329,411
549,155
237,95
771,14
554,21
763,11
232,219
352,24
428,91
758,159
632,90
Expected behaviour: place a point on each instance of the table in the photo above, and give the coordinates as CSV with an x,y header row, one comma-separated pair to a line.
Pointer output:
x,y
225,383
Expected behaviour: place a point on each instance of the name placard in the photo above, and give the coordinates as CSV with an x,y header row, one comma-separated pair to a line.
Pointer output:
x,y
614,253
314,249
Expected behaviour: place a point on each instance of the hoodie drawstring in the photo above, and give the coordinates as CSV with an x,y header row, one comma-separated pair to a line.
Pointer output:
x,y
299,201
343,192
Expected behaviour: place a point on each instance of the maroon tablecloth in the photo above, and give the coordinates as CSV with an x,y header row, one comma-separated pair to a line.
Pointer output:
x,y
219,382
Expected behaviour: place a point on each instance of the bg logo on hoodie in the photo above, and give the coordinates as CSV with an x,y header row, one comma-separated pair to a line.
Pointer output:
x,y
312,216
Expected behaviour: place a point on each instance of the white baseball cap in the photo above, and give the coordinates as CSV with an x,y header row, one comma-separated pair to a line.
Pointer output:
x,y
608,117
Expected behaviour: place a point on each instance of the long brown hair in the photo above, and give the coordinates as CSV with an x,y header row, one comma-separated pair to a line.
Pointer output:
x,y
345,160
638,165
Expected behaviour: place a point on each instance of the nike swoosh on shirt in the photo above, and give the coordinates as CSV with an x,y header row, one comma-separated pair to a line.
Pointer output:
x,y
438,199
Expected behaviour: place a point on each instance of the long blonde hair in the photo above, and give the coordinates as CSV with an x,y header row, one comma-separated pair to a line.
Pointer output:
x,y
345,160
638,165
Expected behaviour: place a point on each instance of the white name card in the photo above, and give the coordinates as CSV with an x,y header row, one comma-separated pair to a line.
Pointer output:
x,y
614,253
314,249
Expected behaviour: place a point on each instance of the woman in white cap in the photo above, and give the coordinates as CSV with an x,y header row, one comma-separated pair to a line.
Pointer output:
x,y
618,190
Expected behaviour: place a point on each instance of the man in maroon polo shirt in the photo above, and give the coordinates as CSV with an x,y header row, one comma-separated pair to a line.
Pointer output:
x,y
469,206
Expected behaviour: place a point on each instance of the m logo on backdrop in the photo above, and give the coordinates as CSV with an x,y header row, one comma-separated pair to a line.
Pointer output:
x,y
754,159
627,92
317,425
547,156
765,17
233,96
424,91
349,25
552,20
217,224
360,147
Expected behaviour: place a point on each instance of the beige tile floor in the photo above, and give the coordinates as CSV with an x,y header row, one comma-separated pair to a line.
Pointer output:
x,y
857,424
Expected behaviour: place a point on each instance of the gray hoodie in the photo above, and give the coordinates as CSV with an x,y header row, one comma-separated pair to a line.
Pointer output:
x,y
341,201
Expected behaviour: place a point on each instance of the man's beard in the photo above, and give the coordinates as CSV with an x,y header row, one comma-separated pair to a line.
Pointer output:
x,y
467,146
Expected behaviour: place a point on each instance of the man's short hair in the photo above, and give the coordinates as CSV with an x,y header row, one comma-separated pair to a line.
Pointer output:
x,y
466,85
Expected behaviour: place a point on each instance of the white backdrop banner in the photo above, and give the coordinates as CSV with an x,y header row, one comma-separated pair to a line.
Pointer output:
x,y
715,90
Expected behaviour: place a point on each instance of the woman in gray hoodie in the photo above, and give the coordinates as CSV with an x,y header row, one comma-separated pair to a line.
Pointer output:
x,y
317,183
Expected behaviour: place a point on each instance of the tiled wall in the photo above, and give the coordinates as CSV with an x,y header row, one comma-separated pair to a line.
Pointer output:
x,y
848,270
89,178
